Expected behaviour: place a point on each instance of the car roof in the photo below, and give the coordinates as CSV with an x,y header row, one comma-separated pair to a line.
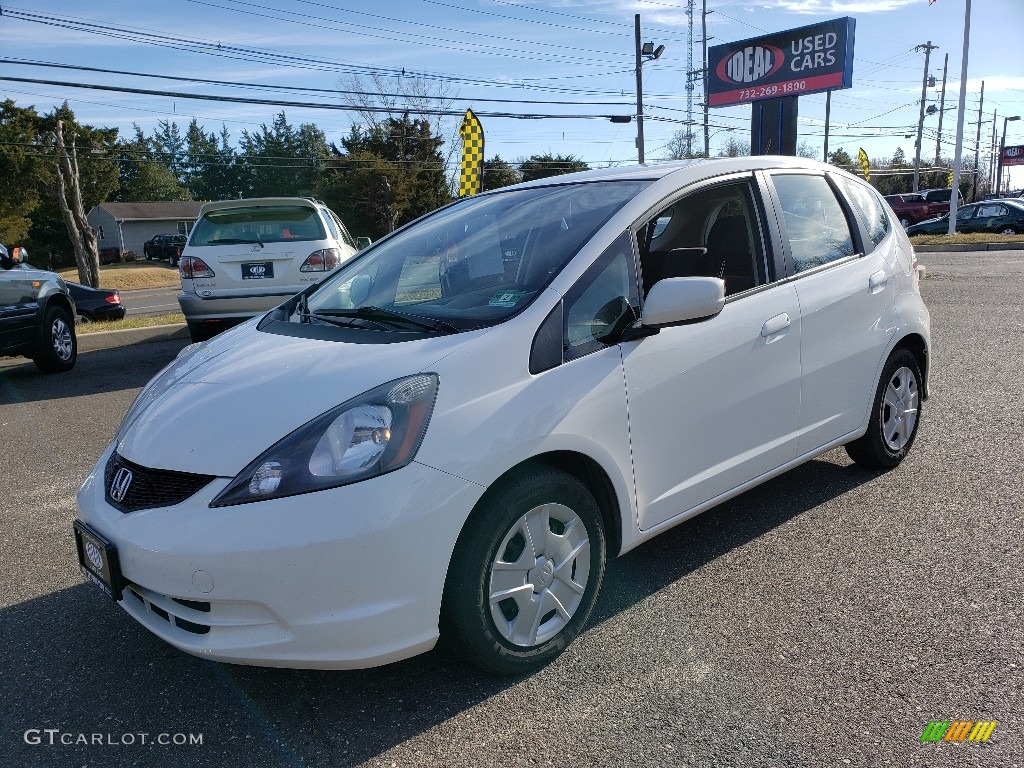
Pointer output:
x,y
259,202
700,166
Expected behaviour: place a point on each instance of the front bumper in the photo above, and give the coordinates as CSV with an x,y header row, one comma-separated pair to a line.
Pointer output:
x,y
346,578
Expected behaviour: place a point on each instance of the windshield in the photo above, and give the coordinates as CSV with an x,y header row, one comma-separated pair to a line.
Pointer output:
x,y
474,263
260,224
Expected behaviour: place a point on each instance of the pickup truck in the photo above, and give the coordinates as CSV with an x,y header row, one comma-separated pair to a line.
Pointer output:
x,y
165,247
911,208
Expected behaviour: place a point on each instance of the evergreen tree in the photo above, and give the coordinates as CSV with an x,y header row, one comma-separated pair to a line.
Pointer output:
x,y
386,175
546,165
143,176
498,173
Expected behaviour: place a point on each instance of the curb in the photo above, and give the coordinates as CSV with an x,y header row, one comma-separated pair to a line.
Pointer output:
x,y
951,247
91,342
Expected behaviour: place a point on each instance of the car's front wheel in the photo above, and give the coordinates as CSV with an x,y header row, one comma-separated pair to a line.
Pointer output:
x,y
525,574
1008,231
57,347
895,414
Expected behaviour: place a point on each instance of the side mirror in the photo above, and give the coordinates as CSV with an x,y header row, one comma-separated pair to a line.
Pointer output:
x,y
677,300
362,242
19,255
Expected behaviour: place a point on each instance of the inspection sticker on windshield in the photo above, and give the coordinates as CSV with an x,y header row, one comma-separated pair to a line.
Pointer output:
x,y
506,298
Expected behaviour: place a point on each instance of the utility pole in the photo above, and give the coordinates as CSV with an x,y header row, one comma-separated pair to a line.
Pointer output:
x,y
977,146
942,106
704,70
828,117
639,96
690,9
928,48
958,150
992,154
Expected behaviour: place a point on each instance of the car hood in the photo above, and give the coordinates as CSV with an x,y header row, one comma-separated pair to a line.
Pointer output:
x,y
222,403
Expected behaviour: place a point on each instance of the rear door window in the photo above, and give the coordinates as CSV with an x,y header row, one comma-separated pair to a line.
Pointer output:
x,y
815,225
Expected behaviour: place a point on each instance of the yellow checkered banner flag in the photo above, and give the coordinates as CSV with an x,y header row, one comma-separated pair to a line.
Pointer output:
x,y
865,164
471,177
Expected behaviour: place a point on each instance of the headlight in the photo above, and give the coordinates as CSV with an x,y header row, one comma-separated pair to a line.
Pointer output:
x,y
376,432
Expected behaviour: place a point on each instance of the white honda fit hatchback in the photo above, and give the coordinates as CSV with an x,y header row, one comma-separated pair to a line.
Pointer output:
x,y
451,434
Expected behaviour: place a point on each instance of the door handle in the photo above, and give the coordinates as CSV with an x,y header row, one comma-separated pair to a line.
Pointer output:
x,y
877,281
775,325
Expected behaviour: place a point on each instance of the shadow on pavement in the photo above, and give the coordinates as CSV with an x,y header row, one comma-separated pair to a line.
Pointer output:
x,y
102,370
73,661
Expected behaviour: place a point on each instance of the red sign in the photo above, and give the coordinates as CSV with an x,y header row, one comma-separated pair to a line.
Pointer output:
x,y
1013,155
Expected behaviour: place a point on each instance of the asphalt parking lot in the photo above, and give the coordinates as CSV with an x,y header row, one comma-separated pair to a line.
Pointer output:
x,y
822,619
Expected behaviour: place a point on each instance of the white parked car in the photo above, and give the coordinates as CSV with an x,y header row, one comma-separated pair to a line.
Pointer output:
x,y
453,433
246,256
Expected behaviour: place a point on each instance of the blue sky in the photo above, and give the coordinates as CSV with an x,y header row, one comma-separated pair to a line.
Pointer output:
x,y
574,52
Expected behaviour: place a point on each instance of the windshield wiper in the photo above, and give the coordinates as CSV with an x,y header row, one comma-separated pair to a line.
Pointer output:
x,y
342,321
374,314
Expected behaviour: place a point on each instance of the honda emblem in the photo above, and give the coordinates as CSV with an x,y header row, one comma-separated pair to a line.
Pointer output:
x,y
121,483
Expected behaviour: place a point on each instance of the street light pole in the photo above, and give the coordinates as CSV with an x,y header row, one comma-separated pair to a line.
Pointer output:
x,y
644,53
639,95
954,195
1002,146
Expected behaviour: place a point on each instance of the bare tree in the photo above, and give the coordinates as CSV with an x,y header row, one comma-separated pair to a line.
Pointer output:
x,y
381,97
69,199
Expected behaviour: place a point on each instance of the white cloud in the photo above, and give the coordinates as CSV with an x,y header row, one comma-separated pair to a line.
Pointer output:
x,y
838,6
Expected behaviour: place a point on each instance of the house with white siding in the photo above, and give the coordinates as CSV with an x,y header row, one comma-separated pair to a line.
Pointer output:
x,y
126,226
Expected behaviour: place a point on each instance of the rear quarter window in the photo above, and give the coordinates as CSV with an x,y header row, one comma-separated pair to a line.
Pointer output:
x,y
868,206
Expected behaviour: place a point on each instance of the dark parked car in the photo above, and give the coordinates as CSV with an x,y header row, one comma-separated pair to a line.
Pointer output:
x,y
97,303
36,314
165,247
910,208
1005,217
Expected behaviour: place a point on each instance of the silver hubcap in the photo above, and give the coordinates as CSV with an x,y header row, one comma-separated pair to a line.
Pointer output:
x,y
61,335
539,575
899,409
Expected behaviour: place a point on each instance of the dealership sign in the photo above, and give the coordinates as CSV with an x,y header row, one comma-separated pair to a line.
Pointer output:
x,y
792,63
1013,155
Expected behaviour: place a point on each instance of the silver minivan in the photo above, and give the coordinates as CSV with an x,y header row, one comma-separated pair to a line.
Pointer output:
x,y
246,256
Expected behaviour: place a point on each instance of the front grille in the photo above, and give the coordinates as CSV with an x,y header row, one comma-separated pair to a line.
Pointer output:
x,y
148,488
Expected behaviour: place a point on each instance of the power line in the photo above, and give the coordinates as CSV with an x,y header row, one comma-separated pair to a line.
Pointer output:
x,y
293,88
301,104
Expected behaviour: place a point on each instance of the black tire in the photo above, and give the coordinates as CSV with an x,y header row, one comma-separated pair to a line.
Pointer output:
x,y
173,261
148,257
495,530
1008,231
889,439
57,345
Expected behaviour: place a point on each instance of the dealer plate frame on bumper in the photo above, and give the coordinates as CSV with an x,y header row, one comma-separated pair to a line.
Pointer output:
x,y
98,560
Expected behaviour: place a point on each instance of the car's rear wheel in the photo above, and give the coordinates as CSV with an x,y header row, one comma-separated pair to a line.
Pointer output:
x,y
56,347
895,414
525,574
1008,231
